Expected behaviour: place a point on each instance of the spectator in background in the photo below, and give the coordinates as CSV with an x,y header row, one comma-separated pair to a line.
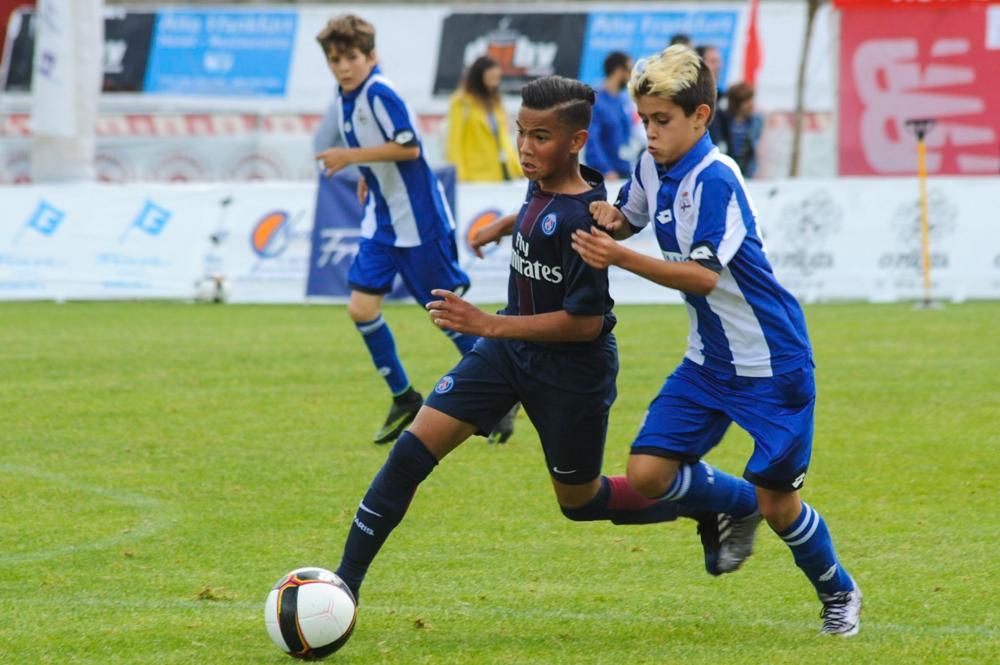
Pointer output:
x,y
745,128
682,39
718,129
611,124
479,144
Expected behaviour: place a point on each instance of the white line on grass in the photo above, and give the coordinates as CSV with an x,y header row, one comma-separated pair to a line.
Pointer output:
x,y
155,512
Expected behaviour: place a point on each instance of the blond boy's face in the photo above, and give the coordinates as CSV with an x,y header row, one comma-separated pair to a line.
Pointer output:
x,y
669,133
350,67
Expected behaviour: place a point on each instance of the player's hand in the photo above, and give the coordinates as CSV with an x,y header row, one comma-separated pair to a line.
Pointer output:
x,y
362,191
607,216
597,248
334,160
454,313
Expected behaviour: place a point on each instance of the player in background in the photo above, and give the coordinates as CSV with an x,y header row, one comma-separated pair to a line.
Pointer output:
x,y
749,359
611,126
407,227
551,348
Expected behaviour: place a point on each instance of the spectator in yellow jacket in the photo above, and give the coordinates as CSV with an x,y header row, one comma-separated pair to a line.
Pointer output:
x,y
479,142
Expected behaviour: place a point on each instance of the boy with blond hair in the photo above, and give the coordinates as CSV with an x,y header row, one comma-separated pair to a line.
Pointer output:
x,y
748,360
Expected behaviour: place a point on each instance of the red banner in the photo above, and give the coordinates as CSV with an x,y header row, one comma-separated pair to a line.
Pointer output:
x,y
931,63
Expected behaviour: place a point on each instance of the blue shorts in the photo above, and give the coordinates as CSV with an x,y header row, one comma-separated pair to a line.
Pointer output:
x,y
695,407
567,394
432,265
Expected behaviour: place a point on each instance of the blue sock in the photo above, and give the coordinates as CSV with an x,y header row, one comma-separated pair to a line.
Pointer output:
x,y
463,342
701,487
618,502
383,507
810,542
382,348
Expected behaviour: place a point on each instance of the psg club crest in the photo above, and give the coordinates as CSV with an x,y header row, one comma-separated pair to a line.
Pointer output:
x,y
444,385
549,224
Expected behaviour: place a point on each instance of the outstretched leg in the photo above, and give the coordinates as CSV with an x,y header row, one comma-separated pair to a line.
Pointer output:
x,y
418,450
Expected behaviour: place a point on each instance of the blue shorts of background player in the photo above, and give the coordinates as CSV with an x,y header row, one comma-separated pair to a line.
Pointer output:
x,y
432,265
695,407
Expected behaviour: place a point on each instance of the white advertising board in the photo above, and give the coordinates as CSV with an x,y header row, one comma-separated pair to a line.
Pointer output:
x,y
843,239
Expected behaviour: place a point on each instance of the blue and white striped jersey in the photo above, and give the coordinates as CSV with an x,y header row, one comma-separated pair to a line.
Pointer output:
x,y
749,325
406,202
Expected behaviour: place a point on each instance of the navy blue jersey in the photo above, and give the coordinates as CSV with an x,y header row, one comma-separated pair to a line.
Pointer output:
x,y
546,274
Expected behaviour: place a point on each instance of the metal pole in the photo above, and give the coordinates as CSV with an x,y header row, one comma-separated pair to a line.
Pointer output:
x,y
921,126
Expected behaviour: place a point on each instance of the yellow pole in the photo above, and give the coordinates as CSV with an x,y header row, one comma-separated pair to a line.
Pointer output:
x,y
920,127
925,235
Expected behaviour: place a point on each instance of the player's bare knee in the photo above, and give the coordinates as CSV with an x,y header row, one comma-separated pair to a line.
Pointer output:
x,y
650,476
361,312
779,508
574,500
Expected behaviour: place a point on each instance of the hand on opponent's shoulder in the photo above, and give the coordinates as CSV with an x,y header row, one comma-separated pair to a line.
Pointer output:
x,y
610,219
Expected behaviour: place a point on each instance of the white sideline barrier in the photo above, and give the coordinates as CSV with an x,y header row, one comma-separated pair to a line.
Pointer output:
x,y
840,239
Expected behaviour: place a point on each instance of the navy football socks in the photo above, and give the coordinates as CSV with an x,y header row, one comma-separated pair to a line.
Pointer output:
x,y
383,507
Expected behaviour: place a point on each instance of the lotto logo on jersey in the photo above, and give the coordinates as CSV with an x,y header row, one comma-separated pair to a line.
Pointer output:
x,y
665,216
549,224
444,385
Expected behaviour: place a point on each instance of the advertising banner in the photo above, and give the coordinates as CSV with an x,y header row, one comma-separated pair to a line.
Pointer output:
x,y
527,46
127,36
259,241
859,238
98,242
644,33
932,62
827,239
243,53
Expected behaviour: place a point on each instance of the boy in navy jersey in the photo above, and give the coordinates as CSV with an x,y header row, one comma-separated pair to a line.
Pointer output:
x,y
407,227
551,348
748,360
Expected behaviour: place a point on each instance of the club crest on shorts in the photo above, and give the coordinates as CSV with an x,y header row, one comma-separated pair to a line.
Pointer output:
x,y
549,224
444,385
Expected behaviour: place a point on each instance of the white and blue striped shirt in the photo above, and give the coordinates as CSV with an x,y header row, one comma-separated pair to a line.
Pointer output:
x,y
406,204
749,325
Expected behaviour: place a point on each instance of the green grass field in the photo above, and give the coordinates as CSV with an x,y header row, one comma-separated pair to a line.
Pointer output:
x,y
161,465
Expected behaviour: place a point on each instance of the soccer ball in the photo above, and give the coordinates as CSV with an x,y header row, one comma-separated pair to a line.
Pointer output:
x,y
310,613
212,288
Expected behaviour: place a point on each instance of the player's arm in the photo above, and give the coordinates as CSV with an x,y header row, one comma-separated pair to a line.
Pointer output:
x,y
629,213
492,232
453,313
337,159
599,250
610,219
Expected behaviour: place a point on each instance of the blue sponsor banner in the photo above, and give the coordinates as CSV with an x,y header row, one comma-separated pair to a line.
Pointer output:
x,y
221,53
644,33
337,234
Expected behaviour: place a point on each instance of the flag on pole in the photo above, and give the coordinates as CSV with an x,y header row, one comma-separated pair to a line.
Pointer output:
x,y
752,56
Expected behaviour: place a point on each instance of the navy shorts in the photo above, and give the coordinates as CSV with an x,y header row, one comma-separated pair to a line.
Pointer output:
x,y
695,407
432,265
567,394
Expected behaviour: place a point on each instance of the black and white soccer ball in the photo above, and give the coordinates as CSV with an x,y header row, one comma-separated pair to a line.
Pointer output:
x,y
310,613
212,288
